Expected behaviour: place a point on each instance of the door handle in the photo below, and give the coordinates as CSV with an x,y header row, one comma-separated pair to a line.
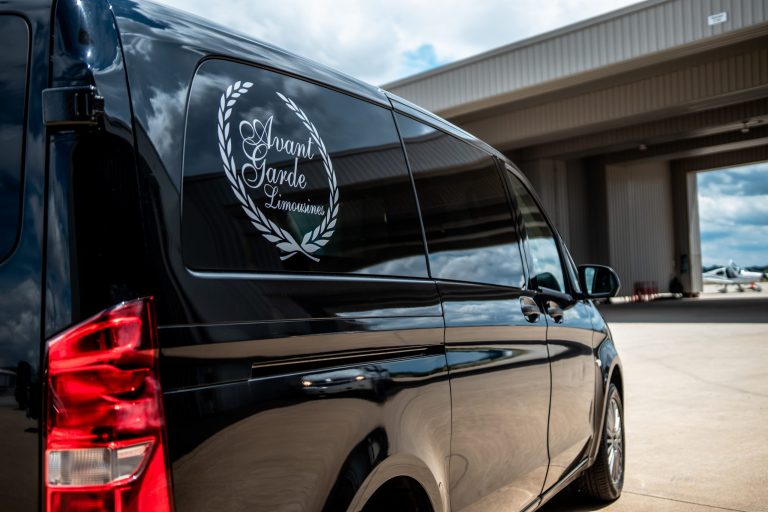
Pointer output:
x,y
530,309
555,311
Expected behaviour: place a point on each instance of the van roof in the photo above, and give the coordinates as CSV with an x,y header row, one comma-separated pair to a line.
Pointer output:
x,y
216,40
177,26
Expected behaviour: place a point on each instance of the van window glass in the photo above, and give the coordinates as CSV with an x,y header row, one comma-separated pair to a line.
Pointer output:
x,y
547,269
471,234
13,86
286,175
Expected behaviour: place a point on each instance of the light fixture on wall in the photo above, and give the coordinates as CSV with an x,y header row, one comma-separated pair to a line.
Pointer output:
x,y
642,147
744,127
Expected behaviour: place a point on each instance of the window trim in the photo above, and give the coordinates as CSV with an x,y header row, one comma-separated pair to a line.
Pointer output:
x,y
571,289
442,126
415,193
256,66
507,193
8,254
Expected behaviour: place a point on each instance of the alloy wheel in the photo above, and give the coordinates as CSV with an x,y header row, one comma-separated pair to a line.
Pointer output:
x,y
614,436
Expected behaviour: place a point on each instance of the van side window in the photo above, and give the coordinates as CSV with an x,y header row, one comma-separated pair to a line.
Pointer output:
x,y
286,175
471,234
547,268
13,87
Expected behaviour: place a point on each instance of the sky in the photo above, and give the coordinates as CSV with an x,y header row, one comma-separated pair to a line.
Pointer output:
x,y
379,42
733,211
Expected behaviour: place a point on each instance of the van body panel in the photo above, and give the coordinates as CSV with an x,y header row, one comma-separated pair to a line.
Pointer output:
x,y
610,371
500,387
24,75
283,390
308,440
572,407
94,248
305,362
571,324
294,413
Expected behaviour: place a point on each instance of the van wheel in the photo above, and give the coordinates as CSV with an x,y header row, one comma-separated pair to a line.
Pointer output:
x,y
605,479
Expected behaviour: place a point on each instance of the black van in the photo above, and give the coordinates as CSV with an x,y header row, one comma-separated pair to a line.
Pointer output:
x,y
233,279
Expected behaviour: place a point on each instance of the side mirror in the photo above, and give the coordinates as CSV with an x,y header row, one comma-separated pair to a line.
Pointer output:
x,y
598,281
548,280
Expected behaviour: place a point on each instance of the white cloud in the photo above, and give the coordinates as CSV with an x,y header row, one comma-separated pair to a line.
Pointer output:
x,y
377,41
733,208
730,211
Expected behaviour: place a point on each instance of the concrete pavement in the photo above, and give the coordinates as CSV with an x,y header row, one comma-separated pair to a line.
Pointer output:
x,y
696,381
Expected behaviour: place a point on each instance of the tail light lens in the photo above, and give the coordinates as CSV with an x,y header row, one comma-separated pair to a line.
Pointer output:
x,y
105,432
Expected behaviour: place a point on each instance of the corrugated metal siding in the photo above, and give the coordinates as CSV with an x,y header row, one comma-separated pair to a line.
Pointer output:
x,y
729,116
721,160
670,91
641,30
578,214
640,227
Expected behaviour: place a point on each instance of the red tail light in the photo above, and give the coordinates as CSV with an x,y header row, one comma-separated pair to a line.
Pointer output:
x,y
105,443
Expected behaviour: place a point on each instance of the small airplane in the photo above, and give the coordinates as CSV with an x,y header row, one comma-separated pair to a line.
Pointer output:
x,y
732,274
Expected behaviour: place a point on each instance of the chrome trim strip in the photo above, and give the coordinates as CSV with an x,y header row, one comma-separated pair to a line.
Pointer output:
x,y
264,276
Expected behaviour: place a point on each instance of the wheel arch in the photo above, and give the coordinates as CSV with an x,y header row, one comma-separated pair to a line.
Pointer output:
x,y
616,378
611,371
403,468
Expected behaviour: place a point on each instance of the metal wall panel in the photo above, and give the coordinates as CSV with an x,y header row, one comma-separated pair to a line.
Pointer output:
x,y
723,160
685,204
694,234
730,117
579,216
640,224
636,31
670,93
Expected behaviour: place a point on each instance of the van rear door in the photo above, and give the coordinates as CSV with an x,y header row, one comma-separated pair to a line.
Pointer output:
x,y
23,75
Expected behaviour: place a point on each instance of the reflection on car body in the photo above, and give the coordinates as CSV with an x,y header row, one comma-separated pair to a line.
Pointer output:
x,y
367,378
234,279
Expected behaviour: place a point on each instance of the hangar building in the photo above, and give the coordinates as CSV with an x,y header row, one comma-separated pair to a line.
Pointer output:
x,y
612,117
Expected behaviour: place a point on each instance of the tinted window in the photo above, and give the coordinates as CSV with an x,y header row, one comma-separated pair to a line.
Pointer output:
x,y
471,234
13,79
547,269
282,174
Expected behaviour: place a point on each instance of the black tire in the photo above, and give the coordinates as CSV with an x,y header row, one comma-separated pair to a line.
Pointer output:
x,y
605,479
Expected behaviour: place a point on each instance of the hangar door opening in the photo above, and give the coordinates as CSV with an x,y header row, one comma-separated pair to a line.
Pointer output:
x,y
640,224
733,213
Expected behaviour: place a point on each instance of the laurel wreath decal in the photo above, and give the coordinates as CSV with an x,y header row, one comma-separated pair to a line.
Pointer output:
x,y
311,241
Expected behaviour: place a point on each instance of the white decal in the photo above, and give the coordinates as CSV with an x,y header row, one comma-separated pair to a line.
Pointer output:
x,y
257,143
